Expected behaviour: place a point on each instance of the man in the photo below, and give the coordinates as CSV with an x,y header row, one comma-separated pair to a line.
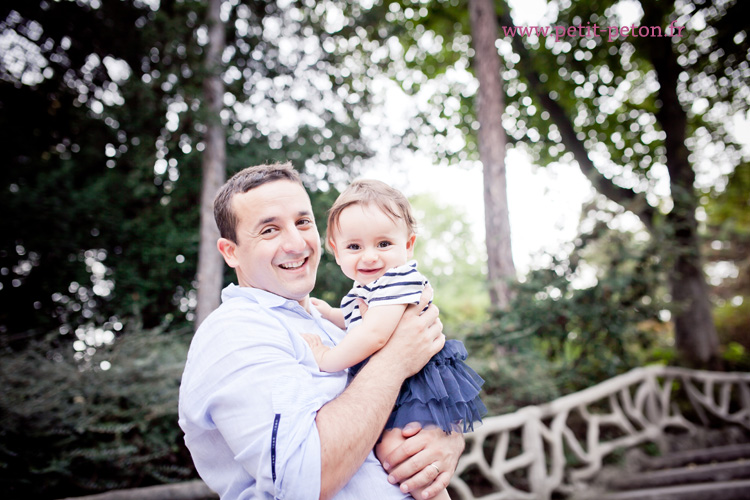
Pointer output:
x,y
260,419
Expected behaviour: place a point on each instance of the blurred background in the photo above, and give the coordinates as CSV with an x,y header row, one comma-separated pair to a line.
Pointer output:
x,y
619,232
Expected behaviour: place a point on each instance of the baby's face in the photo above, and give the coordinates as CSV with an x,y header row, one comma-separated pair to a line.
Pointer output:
x,y
367,243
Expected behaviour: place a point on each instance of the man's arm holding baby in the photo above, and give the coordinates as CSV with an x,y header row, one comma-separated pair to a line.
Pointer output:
x,y
410,464
349,426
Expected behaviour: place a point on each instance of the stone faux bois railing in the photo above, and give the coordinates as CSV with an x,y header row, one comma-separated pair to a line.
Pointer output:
x,y
558,446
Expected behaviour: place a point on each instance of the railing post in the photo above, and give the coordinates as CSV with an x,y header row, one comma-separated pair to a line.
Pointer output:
x,y
533,443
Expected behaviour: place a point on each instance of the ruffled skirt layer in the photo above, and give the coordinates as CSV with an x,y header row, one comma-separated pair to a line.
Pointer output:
x,y
444,393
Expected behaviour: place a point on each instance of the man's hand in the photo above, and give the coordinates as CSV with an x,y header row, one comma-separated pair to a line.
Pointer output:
x,y
418,337
319,350
428,458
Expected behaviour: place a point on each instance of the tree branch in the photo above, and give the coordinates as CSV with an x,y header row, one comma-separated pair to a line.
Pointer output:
x,y
627,198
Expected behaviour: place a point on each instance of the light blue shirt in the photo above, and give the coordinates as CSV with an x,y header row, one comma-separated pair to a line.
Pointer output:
x,y
249,397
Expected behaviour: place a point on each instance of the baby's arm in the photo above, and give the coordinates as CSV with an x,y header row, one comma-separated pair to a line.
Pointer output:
x,y
334,315
362,341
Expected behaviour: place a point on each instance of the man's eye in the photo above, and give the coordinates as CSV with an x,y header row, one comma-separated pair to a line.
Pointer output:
x,y
304,222
268,230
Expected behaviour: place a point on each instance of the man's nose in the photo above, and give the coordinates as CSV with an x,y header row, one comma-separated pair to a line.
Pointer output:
x,y
294,242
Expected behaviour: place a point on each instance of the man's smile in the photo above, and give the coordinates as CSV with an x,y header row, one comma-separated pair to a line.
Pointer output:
x,y
293,265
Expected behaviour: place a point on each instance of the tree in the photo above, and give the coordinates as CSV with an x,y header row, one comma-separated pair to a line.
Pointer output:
x,y
585,334
102,107
727,250
500,268
658,117
78,164
210,264
636,113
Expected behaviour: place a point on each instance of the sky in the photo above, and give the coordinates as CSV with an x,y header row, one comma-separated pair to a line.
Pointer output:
x,y
544,203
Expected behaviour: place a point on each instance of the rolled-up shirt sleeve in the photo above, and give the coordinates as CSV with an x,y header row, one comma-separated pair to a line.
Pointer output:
x,y
255,386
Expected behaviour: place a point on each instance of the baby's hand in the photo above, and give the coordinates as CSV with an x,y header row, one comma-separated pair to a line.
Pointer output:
x,y
322,306
363,307
334,315
319,350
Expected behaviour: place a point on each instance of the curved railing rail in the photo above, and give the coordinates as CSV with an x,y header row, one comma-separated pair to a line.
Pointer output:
x,y
558,446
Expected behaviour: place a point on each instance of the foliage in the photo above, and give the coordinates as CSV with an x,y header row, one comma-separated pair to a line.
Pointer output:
x,y
100,104
93,167
637,114
587,332
56,162
70,429
514,378
733,325
423,47
452,259
727,250
609,87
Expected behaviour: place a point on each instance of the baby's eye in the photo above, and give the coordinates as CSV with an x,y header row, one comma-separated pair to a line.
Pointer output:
x,y
384,244
352,246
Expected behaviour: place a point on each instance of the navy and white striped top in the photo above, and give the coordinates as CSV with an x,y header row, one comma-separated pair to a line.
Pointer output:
x,y
399,285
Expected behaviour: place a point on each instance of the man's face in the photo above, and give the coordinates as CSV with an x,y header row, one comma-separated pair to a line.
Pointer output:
x,y
278,247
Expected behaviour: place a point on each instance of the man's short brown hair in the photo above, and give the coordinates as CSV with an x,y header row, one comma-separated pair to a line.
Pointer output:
x,y
242,182
371,192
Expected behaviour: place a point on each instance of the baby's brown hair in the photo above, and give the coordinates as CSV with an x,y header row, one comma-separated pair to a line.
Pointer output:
x,y
371,192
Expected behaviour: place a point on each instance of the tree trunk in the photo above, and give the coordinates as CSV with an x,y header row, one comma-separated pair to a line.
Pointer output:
x,y
695,332
492,145
210,262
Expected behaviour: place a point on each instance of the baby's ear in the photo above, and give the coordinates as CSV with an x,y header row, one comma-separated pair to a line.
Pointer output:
x,y
335,250
410,245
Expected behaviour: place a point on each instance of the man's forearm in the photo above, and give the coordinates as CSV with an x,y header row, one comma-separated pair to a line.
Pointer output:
x,y
349,426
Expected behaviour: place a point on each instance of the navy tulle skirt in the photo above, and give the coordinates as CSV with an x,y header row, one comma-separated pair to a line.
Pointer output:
x,y
444,393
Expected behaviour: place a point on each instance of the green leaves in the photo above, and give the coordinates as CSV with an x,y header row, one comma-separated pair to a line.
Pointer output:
x,y
69,429
589,319
103,153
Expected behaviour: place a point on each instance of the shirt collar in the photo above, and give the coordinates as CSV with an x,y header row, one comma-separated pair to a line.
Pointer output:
x,y
262,297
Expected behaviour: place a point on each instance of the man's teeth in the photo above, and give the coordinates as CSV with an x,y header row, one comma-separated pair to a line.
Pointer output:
x,y
293,265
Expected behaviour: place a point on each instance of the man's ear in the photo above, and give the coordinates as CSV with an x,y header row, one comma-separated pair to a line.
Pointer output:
x,y
228,250
410,246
